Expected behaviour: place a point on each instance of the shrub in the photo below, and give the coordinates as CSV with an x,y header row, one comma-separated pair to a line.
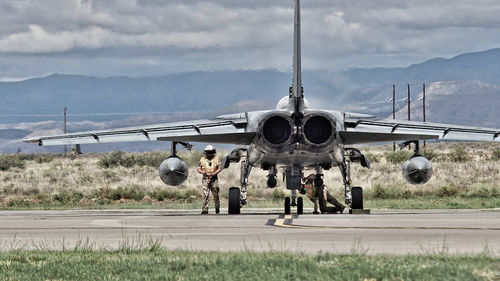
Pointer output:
x,y
102,193
400,156
43,198
447,191
152,159
373,158
278,194
495,155
161,194
43,158
193,158
174,194
459,154
132,193
379,192
391,192
19,202
63,197
30,191
482,191
188,195
429,153
116,158
119,158
10,161
39,158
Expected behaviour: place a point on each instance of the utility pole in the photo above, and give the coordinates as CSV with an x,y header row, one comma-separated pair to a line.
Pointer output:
x,y
409,100
423,104
393,111
65,147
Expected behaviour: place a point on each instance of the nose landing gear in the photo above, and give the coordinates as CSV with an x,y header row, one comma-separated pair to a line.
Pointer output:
x,y
294,201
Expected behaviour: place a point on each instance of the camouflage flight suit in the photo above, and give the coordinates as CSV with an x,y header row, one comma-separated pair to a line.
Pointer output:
x,y
325,196
210,183
320,195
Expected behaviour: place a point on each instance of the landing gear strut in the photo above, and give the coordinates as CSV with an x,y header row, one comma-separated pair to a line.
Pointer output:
x,y
238,197
354,195
293,178
246,168
345,170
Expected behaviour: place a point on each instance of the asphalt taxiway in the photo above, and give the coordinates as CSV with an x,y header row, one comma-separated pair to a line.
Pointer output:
x,y
382,231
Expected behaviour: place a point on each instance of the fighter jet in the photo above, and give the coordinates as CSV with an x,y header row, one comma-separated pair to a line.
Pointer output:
x,y
292,137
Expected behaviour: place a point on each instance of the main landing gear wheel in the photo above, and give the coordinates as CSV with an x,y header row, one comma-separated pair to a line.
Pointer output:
x,y
287,205
234,201
300,206
357,197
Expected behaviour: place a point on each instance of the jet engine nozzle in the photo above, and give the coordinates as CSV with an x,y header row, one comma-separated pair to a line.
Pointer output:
x,y
277,129
417,170
173,171
319,129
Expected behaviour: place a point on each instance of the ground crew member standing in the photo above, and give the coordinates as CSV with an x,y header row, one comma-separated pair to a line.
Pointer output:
x,y
209,167
320,196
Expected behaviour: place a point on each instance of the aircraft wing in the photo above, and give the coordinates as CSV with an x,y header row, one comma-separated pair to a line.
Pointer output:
x,y
224,129
382,130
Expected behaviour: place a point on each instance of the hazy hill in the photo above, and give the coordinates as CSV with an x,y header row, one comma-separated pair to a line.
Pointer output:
x,y
201,91
458,102
472,95
374,85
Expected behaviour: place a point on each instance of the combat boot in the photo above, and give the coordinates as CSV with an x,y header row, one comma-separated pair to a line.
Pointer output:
x,y
217,210
341,209
204,212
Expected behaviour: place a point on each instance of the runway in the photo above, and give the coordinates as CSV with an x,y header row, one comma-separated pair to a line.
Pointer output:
x,y
383,231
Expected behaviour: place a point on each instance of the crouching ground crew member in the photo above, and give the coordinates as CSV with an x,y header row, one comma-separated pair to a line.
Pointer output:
x,y
320,195
209,167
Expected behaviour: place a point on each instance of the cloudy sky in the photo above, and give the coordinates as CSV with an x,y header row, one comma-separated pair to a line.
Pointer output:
x,y
154,37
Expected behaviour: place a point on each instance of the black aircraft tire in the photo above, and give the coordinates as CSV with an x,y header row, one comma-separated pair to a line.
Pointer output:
x,y
287,205
234,201
300,206
357,197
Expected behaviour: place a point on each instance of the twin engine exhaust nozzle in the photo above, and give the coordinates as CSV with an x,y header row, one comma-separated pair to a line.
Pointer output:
x,y
318,129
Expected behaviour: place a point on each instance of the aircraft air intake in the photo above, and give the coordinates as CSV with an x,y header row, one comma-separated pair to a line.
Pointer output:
x,y
319,129
277,129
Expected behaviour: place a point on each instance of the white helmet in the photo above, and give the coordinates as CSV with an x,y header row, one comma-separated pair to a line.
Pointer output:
x,y
209,149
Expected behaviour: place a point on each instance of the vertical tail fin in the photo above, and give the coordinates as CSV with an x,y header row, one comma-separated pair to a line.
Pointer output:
x,y
296,94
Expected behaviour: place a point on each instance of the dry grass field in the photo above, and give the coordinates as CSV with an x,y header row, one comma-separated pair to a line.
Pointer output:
x,y
465,175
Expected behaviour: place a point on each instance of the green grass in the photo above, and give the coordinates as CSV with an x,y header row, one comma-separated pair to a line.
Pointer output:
x,y
158,264
434,203
10,161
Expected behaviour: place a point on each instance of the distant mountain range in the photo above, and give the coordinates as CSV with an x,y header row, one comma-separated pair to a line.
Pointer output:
x,y
473,103
462,90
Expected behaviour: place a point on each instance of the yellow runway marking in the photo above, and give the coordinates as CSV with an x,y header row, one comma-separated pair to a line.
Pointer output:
x,y
280,222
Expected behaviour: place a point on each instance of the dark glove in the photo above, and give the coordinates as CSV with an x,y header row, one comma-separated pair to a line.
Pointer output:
x,y
302,190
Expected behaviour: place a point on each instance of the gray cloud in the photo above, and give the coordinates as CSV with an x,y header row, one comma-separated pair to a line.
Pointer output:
x,y
123,37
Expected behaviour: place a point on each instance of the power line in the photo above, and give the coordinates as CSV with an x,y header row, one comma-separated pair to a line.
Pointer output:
x,y
97,114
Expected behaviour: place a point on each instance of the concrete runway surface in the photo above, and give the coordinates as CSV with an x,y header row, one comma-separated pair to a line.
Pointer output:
x,y
383,231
